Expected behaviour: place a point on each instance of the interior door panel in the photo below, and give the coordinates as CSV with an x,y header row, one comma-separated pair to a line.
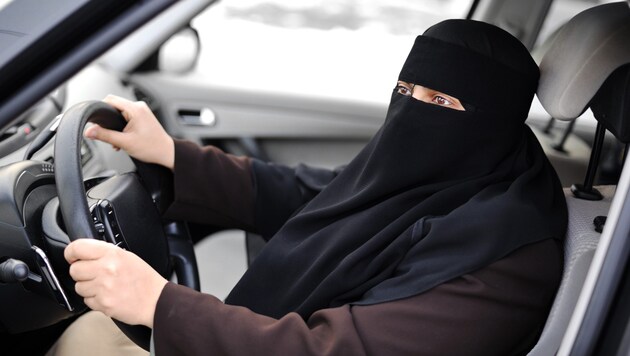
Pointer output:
x,y
287,128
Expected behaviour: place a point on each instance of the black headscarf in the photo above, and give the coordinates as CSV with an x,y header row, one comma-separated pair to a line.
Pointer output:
x,y
435,194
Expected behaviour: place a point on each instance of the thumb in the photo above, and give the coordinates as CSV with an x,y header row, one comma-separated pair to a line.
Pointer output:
x,y
115,138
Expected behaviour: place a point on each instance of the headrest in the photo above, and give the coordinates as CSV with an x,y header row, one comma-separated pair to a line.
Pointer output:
x,y
611,104
586,51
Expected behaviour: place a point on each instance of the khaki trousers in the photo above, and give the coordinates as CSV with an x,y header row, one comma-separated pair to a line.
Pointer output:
x,y
94,334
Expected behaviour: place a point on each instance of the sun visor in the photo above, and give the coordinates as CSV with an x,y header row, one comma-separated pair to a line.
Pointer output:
x,y
586,51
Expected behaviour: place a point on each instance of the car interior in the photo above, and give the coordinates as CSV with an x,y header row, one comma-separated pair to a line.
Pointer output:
x,y
580,117
585,62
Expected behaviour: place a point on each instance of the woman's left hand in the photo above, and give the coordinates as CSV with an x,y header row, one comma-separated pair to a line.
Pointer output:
x,y
114,281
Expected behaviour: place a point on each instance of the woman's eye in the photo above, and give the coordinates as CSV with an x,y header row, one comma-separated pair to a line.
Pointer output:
x,y
403,90
440,100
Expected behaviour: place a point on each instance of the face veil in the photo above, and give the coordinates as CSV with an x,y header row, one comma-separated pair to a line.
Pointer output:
x,y
435,194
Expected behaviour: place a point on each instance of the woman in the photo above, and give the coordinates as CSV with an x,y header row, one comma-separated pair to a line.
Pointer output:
x,y
440,237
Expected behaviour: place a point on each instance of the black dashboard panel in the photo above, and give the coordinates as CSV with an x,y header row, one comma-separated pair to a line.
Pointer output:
x,y
25,189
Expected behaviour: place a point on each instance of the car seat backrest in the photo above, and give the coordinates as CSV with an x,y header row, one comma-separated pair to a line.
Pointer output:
x,y
579,248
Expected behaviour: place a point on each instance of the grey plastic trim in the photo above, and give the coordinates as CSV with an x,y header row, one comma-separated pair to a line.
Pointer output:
x,y
242,112
51,277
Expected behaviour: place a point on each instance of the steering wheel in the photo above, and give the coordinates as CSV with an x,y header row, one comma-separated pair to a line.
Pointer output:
x,y
123,209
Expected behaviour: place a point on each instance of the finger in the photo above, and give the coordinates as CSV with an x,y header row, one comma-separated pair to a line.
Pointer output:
x,y
115,138
86,249
83,270
123,105
96,303
85,289
89,131
91,303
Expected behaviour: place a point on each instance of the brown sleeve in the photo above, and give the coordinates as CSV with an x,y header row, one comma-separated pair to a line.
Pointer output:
x,y
211,187
498,310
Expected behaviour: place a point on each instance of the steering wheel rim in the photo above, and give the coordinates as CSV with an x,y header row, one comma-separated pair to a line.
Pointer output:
x,y
68,167
70,187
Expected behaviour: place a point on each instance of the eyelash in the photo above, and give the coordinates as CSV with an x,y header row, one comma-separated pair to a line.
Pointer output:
x,y
401,89
437,99
445,102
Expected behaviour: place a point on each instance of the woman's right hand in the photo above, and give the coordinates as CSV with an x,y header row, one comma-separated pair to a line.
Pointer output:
x,y
143,138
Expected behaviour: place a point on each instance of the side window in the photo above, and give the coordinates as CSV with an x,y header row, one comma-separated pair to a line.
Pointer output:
x,y
347,49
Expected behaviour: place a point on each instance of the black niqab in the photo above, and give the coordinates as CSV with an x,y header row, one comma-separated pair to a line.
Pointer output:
x,y
435,194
